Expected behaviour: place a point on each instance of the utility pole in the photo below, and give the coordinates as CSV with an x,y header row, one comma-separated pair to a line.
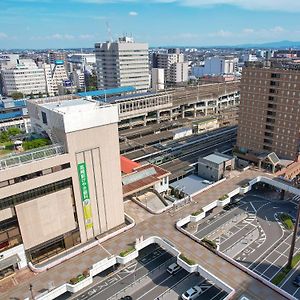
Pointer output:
x,y
292,249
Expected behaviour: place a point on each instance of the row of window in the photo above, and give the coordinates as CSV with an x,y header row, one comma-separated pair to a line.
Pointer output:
x,y
34,193
34,175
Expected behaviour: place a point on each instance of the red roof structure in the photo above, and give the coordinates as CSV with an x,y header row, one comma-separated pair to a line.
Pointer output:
x,y
127,165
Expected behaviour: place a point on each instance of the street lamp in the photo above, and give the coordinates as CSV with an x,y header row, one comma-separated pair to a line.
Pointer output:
x,y
31,291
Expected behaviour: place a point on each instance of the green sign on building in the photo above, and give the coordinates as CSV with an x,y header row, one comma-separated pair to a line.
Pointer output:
x,y
85,195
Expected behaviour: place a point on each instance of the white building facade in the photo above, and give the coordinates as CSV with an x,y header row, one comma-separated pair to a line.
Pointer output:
x,y
122,63
24,77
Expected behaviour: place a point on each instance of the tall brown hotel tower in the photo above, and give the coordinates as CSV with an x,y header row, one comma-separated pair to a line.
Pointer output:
x,y
269,118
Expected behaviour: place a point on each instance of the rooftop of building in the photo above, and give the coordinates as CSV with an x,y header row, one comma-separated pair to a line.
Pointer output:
x,y
217,158
141,178
283,64
108,92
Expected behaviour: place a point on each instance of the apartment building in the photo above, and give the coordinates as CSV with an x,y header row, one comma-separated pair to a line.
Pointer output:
x,y
59,196
269,117
174,65
122,63
24,77
216,66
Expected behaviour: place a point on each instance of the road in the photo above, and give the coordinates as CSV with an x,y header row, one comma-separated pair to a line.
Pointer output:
x,y
252,236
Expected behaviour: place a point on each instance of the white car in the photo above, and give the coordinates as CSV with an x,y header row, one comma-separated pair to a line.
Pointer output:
x,y
173,268
192,293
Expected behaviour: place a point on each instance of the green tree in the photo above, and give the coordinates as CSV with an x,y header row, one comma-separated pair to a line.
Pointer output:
x,y
17,95
4,137
13,131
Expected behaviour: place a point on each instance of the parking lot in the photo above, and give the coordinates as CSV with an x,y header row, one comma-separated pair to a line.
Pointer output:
x,y
147,278
251,233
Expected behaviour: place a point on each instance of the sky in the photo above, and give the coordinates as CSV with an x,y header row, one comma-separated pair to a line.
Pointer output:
x,y
40,24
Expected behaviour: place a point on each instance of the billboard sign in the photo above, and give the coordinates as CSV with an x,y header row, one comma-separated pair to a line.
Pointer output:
x,y
85,195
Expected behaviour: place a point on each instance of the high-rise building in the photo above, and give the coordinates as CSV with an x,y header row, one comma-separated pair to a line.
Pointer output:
x,y
55,197
269,117
173,62
122,63
24,77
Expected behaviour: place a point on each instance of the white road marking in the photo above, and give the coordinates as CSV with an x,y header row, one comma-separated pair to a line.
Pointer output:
x,y
253,207
155,286
177,283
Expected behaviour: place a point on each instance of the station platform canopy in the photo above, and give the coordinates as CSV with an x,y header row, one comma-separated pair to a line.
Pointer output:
x,y
108,92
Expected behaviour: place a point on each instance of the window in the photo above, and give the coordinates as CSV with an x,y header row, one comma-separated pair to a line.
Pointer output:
x,y
275,75
44,118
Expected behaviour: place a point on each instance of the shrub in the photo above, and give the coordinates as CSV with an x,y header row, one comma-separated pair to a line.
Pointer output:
x,y
286,221
223,197
73,280
37,143
198,212
187,260
209,243
245,185
127,251
285,271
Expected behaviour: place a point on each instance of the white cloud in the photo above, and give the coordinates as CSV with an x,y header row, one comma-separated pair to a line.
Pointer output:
x,y
3,36
86,36
133,13
221,33
269,5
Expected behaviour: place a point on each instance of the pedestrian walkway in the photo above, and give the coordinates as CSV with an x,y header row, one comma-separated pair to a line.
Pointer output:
x,y
164,226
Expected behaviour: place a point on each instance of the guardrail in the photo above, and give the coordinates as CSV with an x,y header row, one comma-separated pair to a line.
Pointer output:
x,y
13,160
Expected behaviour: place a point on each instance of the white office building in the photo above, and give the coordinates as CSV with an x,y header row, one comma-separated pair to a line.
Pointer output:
x,y
122,63
216,66
24,77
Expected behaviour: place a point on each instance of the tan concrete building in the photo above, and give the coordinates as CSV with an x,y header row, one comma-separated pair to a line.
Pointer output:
x,y
65,194
269,117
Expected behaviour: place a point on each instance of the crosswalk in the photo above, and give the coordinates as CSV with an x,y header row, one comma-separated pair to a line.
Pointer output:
x,y
296,199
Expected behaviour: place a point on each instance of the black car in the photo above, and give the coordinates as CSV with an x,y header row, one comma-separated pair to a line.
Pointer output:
x,y
126,298
297,280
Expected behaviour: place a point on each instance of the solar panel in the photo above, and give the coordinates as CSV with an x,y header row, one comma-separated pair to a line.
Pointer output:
x,y
138,176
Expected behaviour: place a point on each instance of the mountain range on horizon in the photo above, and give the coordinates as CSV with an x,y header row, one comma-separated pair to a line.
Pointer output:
x,y
285,44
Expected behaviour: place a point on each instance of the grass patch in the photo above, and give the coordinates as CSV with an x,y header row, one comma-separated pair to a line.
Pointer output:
x,y
187,260
209,243
286,221
285,271
224,197
198,212
127,251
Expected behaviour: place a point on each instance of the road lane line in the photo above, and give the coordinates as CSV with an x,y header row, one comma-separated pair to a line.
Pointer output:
x,y
159,283
121,278
253,207
175,284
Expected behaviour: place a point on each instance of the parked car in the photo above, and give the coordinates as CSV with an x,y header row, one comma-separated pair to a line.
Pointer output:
x,y
192,293
126,298
173,268
297,280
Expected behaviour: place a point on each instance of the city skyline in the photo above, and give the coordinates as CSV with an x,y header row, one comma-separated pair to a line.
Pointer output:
x,y
81,23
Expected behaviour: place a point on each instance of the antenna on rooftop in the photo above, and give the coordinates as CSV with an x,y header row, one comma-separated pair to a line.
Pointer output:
x,y
109,31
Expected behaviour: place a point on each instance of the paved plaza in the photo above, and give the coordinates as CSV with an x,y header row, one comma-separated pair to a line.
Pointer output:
x,y
163,226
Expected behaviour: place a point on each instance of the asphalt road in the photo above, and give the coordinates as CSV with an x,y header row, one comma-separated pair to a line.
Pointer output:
x,y
147,278
252,236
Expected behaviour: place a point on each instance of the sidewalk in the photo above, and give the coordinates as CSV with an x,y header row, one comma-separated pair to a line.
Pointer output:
x,y
163,226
